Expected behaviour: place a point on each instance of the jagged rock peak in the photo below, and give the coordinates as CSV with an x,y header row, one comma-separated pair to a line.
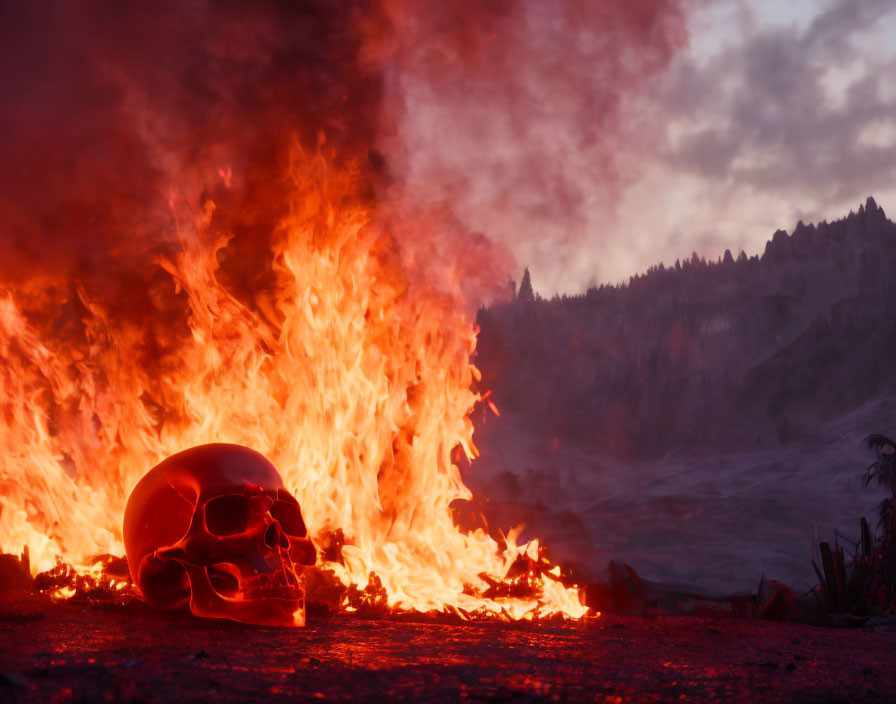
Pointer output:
x,y
802,227
869,208
804,236
872,208
869,220
779,245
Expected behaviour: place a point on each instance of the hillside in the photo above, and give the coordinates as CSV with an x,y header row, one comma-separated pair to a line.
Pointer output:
x,y
703,422
737,354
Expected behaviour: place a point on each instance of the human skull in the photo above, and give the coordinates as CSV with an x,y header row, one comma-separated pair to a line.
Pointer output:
x,y
214,526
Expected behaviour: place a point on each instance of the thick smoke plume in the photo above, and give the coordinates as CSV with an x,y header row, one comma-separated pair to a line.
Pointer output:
x,y
499,117
520,115
114,113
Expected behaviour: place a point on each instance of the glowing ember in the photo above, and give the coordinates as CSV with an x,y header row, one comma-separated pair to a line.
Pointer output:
x,y
352,376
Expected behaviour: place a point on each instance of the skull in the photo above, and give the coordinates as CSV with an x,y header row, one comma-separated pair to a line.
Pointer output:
x,y
214,526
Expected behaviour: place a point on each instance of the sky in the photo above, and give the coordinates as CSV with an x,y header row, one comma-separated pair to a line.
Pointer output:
x,y
766,113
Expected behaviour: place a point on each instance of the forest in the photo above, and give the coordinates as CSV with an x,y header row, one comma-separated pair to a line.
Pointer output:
x,y
734,354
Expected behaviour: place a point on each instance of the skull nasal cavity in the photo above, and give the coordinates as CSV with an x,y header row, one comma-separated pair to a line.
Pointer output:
x,y
227,515
286,511
274,537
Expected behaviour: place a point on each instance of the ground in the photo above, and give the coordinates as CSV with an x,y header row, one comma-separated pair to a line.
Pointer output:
x,y
80,652
713,520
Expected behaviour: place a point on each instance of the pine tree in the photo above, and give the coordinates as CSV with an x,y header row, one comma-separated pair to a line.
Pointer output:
x,y
526,294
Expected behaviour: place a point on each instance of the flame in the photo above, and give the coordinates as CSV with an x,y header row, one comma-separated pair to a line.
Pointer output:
x,y
349,373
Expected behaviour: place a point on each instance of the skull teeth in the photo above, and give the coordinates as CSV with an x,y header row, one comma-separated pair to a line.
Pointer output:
x,y
278,585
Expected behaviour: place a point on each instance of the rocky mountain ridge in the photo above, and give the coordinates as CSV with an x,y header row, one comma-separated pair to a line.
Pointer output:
x,y
742,353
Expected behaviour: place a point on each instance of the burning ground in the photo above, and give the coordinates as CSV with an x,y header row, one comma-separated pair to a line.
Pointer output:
x,y
211,236
196,253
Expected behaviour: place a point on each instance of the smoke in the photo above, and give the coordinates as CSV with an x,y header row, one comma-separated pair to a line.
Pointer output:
x,y
481,127
114,112
520,117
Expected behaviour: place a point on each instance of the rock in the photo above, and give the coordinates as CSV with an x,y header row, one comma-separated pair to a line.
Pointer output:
x,y
15,574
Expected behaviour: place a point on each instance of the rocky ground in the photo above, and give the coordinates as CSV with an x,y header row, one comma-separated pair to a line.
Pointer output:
x,y
711,520
78,652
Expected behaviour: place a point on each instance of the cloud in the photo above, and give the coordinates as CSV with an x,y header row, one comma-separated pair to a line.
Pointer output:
x,y
786,122
764,113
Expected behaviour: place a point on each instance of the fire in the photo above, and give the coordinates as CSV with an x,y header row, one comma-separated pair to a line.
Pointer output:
x,y
350,373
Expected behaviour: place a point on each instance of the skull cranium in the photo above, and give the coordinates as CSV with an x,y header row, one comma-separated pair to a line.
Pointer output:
x,y
213,526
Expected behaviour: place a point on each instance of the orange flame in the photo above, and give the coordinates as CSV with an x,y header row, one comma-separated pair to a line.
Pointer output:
x,y
354,380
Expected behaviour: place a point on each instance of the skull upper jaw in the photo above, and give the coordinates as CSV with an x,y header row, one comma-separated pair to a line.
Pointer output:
x,y
208,602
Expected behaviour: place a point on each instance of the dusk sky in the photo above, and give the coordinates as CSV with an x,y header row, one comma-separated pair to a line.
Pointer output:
x,y
767,113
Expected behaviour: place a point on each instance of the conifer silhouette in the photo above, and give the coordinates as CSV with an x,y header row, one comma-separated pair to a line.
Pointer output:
x,y
526,294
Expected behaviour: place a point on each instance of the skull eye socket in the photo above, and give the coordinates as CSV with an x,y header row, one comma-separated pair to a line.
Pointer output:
x,y
227,515
287,513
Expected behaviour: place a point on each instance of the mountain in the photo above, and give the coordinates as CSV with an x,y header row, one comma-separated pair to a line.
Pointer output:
x,y
740,354
702,422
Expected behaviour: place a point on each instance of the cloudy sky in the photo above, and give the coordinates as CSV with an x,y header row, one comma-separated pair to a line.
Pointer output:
x,y
764,114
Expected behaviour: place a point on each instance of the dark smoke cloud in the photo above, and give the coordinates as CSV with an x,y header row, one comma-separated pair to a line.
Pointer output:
x,y
111,108
497,117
